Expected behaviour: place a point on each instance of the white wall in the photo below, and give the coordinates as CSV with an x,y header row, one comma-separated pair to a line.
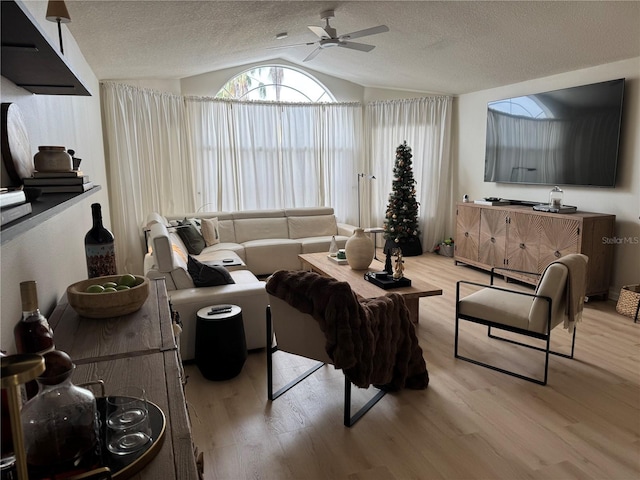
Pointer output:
x,y
53,252
622,201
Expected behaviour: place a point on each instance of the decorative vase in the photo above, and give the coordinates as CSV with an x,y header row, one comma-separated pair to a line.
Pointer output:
x,y
52,159
333,248
359,249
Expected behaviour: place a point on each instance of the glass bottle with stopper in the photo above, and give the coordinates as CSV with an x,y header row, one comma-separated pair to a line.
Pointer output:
x,y
60,423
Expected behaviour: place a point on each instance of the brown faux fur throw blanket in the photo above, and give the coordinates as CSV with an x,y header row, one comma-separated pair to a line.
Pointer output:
x,y
371,340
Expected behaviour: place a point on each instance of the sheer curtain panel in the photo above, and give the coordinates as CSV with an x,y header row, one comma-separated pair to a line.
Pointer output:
x,y
265,155
148,163
425,123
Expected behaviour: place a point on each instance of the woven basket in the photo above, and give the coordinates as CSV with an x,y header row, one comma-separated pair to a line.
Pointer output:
x,y
629,301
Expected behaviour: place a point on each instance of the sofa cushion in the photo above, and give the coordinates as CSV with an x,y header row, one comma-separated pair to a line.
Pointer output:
x,y
155,217
180,252
321,244
248,229
207,275
167,249
209,230
190,236
268,255
227,231
316,226
308,211
258,214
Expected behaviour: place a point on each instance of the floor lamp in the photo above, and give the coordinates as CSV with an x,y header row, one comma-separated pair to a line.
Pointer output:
x,y
362,175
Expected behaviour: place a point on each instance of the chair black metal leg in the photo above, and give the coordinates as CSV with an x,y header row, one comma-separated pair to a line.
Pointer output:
x,y
547,351
350,421
533,347
271,395
502,370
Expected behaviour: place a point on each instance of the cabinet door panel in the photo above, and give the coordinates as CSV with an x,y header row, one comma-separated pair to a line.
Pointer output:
x,y
558,237
522,242
467,232
493,234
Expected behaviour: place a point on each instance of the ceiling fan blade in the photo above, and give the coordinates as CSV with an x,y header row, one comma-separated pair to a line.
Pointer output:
x,y
291,45
363,47
312,55
365,32
319,31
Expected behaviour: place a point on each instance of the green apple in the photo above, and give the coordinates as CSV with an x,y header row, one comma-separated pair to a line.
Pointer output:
x,y
127,280
95,289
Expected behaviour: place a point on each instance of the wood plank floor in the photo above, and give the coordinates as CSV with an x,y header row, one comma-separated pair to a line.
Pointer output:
x,y
470,423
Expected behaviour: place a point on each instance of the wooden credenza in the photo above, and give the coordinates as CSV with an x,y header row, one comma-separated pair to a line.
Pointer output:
x,y
520,238
137,349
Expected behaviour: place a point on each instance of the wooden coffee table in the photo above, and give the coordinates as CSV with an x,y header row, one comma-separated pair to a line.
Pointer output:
x,y
322,264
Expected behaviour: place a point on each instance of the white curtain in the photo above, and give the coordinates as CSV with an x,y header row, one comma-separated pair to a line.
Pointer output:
x,y
148,164
175,154
260,155
425,124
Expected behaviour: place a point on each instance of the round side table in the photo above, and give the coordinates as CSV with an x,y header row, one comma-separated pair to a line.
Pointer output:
x,y
221,347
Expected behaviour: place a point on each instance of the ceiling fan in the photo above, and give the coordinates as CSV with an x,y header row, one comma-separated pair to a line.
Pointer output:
x,y
329,37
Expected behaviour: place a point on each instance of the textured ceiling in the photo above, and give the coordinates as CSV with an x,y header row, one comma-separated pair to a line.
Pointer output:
x,y
449,47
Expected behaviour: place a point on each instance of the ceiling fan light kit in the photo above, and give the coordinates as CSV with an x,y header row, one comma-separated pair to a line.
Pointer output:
x,y
328,37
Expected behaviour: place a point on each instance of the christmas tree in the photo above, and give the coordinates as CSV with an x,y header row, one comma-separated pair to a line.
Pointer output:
x,y
401,222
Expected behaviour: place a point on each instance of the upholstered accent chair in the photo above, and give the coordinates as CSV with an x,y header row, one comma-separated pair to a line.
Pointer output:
x,y
372,341
557,299
298,333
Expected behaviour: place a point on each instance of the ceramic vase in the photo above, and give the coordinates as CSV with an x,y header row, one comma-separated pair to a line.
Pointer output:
x,y
52,159
359,249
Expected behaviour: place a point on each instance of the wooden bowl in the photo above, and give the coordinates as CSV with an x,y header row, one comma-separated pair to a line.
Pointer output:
x,y
107,304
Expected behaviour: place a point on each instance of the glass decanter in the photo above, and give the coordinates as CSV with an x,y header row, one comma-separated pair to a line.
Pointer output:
x,y
60,424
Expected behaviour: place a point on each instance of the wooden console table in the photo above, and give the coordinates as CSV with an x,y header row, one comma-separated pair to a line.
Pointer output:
x,y
136,349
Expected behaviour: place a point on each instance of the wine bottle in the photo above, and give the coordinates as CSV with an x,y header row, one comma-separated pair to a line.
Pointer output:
x,y
32,333
99,247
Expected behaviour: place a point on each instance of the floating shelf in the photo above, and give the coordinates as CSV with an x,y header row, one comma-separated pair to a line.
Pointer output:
x,y
29,60
48,206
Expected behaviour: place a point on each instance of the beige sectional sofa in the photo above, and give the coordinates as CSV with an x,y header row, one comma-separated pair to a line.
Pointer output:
x,y
259,243
270,240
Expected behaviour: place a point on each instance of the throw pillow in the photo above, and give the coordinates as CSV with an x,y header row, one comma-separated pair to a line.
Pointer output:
x,y
204,275
196,223
209,229
190,236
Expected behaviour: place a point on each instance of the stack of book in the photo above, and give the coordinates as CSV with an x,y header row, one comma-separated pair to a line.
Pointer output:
x,y
13,205
60,182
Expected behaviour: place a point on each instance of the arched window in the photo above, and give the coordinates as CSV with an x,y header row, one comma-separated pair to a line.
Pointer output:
x,y
275,83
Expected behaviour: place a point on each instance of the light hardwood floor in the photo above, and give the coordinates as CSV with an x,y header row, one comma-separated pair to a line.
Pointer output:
x,y
470,423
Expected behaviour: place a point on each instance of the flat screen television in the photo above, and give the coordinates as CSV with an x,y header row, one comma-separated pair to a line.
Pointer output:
x,y
563,137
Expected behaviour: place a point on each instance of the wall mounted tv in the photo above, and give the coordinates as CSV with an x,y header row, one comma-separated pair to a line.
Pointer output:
x,y
563,137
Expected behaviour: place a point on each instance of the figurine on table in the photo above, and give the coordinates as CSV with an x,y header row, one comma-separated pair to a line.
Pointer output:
x,y
399,268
